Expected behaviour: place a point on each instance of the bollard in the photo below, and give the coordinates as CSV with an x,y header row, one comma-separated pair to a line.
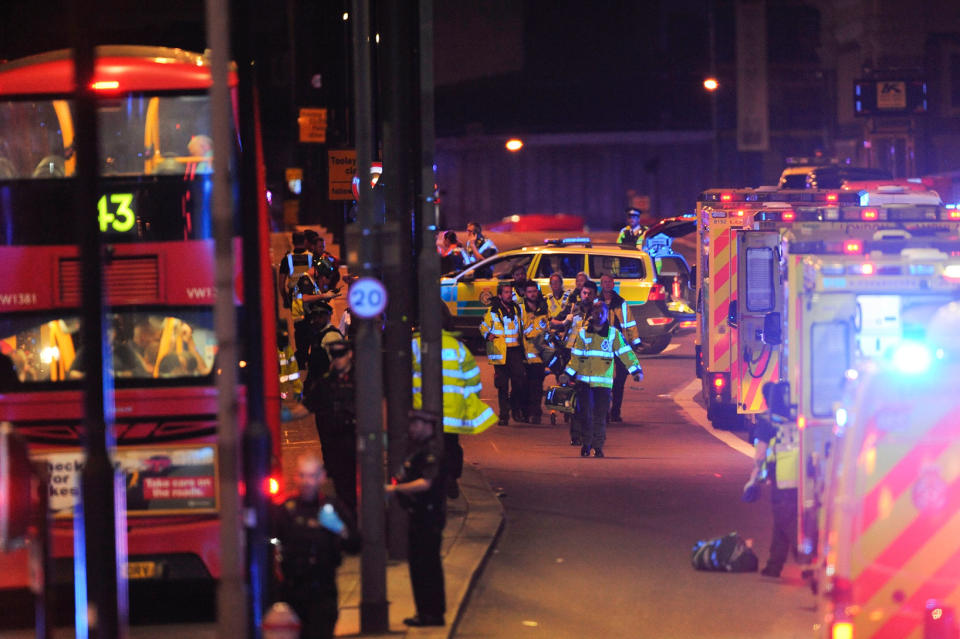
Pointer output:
x,y
281,622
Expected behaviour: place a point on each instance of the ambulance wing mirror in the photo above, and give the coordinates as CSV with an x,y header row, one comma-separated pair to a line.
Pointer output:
x,y
777,396
732,314
772,332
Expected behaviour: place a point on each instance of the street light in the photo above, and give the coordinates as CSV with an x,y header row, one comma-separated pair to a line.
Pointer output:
x,y
514,144
711,84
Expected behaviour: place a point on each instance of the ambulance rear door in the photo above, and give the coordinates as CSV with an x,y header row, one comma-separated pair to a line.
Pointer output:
x,y
759,317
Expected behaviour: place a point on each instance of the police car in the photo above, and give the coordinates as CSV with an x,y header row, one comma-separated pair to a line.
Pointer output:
x,y
468,294
673,270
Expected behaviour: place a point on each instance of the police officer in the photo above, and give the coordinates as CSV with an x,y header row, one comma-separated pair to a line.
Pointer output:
x,y
322,335
501,329
420,486
535,329
313,530
631,233
336,421
776,455
294,264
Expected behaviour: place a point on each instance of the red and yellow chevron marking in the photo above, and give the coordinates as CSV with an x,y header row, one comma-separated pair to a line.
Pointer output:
x,y
751,395
723,277
903,554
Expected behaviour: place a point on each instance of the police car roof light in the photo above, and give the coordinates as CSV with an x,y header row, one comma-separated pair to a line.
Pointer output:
x,y
567,241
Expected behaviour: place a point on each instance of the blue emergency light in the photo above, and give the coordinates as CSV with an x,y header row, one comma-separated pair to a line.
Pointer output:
x,y
912,358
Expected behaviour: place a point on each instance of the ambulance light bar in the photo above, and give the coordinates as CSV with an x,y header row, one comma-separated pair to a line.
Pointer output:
x,y
857,214
799,195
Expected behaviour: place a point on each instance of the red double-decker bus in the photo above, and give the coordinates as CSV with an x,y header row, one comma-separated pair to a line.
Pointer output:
x,y
155,148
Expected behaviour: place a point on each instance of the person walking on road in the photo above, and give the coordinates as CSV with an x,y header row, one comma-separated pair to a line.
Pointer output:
x,y
595,346
501,330
623,321
420,487
313,530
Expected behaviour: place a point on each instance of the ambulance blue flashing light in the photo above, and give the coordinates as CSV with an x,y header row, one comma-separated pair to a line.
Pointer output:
x,y
912,358
567,241
841,417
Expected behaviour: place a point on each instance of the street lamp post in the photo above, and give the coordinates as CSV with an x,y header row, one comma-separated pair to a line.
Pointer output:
x,y
711,85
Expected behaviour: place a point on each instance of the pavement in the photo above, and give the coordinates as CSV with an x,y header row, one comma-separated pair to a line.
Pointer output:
x,y
474,521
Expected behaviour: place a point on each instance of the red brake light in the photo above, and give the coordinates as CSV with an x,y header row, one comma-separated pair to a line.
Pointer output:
x,y
105,85
789,216
954,214
272,485
853,247
726,197
719,382
740,213
832,197
869,214
657,293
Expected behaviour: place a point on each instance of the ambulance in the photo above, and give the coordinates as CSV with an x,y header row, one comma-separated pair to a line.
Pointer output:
x,y
891,535
730,380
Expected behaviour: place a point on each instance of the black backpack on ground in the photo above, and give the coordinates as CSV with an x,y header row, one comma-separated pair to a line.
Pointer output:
x,y
729,553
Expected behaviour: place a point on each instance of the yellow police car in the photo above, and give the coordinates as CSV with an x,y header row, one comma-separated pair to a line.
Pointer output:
x,y
468,293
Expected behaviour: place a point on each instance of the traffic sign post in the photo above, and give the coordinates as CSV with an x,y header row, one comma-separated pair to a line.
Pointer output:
x,y
368,297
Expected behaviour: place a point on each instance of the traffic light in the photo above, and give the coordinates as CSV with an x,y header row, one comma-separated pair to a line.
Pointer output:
x,y
16,489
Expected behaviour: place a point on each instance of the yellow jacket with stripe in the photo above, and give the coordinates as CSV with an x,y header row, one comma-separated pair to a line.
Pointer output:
x,y
556,305
291,383
534,324
591,357
505,331
621,318
463,410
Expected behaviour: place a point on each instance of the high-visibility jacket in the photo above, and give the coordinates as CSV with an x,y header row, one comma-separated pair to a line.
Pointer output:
x,y
591,358
291,384
297,309
783,453
534,325
556,305
505,331
463,410
631,236
623,320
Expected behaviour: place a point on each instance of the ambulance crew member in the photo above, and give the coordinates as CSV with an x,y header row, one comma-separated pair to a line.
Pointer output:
x,y
623,321
630,234
501,329
463,410
534,323
579,312
775,457
595,346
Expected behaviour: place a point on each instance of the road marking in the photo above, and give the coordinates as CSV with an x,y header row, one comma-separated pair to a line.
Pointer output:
x,y
671,347
697,414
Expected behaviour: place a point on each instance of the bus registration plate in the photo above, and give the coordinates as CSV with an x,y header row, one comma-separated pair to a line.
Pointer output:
x,y
141,570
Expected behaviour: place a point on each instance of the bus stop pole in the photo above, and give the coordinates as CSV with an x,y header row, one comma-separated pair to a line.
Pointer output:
x,y
363,257
101,614
232,614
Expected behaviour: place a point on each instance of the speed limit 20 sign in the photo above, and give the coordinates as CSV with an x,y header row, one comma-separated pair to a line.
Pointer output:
x,y
368,297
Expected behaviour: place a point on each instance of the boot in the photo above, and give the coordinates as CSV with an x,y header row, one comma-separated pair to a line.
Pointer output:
x,y
598,452
584,451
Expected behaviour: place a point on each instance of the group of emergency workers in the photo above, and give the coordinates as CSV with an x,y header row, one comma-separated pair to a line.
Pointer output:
x,y
584,336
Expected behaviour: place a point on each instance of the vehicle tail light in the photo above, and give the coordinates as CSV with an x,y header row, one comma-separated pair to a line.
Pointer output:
x,y
853,247
659,321
832,197
676,287
657,293
726,197
719,382
954,214
271,485
869,214
688,324
788,216
841,630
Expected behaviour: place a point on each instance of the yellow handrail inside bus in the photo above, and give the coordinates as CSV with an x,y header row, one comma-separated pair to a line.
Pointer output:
x,y
151,140
62,110
166,342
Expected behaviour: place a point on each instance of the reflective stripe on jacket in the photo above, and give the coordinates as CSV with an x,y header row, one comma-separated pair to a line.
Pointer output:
x,y
556,305
505,331
591,357
534,326
463,410
290,378
785,453
623,320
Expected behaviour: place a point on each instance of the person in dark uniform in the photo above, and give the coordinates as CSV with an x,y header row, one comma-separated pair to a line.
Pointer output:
x,y
313,530
336,418
420,487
